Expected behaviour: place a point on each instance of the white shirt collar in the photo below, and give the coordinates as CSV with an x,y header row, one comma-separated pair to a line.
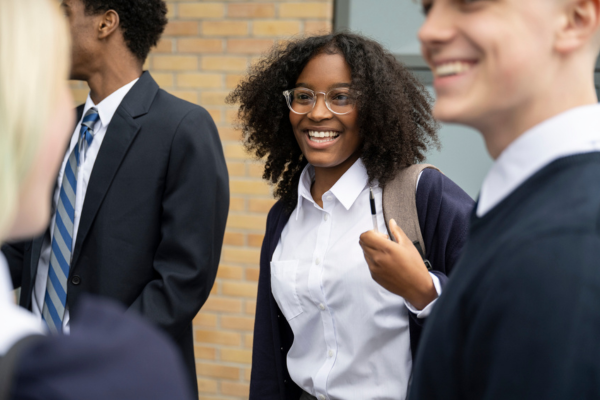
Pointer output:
x,y
17,323
576,131
346,189
108,107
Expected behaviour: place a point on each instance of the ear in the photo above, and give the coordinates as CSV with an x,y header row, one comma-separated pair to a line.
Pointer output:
x,y
109,22
580,25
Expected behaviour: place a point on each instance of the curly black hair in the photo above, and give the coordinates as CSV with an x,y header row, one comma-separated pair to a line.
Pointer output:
x,y
394,118
142,21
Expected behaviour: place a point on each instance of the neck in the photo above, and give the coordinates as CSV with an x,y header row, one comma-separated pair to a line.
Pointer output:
x,y
502,129
111,78
326,177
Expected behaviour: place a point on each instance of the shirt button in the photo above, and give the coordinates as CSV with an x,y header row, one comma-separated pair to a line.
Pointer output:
x,y
76,280
330,353
322,307
326,217
318,261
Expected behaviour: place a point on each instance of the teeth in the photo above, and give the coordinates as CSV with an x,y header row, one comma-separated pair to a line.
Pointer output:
x,y
452,68
316,134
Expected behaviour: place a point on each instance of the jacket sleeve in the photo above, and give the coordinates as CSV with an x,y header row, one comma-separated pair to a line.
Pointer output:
x,y
14,253
264,384
195,205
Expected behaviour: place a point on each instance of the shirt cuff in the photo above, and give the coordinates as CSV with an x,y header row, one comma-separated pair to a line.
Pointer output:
x,y
424,313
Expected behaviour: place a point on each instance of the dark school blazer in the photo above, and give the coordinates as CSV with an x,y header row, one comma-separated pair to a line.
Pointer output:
x,y
444,210
153,219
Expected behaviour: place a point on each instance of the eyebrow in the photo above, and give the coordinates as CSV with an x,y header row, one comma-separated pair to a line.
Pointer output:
x,y
334,86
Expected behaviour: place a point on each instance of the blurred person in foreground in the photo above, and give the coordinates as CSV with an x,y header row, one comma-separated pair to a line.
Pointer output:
x,y
142,221
520,318
108,355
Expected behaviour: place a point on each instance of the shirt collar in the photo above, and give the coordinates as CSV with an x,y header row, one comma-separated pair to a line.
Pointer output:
x,y
575,131
346,190
108,107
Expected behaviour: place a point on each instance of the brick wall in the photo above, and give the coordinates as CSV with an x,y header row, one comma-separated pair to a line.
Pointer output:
x,y
206,49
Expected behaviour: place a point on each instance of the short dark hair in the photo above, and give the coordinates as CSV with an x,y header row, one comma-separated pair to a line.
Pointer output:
x,y
394,116
142,21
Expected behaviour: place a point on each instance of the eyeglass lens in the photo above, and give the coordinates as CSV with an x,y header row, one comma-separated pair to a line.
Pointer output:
x,y
339,100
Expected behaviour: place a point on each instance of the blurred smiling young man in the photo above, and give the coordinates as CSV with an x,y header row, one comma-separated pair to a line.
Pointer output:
x,y
520,319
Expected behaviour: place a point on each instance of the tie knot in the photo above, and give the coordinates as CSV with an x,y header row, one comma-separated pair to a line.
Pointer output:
x,y
90,118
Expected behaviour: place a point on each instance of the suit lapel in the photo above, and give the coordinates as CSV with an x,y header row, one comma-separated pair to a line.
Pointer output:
x,y
121,133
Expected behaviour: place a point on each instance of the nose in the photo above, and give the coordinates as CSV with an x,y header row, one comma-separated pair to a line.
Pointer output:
x,y
439,26
320,111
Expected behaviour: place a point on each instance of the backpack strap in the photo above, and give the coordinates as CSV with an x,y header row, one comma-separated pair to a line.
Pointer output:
x,y
8,364
400,204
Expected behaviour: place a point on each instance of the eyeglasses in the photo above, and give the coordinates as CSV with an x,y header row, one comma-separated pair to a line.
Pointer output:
x,y
339,101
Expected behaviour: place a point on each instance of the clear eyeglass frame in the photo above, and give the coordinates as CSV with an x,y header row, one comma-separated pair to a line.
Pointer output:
x,y
288,97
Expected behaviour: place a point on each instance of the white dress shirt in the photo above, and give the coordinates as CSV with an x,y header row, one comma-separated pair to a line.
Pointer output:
x,y
106,111
351,336
17,322
576,131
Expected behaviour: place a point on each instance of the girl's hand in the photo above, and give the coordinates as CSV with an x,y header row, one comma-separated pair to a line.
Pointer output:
x,y
398,267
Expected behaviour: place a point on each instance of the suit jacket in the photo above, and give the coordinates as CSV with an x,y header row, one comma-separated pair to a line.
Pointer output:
x,y
153,220
443,209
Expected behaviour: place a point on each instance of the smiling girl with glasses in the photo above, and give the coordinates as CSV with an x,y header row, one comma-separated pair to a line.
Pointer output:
x,y
334,116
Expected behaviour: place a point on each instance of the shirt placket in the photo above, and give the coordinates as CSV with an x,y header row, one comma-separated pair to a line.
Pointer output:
x,y
318,293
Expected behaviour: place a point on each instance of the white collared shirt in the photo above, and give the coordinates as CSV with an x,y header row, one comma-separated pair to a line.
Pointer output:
x,y
576,131
106,111
351,336
17,323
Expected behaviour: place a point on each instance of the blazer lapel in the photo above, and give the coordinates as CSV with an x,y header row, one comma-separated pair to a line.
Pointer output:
x,y
121,132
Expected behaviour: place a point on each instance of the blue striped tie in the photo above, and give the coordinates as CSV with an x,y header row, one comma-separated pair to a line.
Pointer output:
x,y
55,301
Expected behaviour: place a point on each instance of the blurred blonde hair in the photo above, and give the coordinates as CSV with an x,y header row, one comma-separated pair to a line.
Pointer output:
x,y
34,62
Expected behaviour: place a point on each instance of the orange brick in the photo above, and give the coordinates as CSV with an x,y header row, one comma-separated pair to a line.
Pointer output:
x,y
164,46
252,274
236,168
218,63
164,79
207,386
200,10
256,170
249,46
250,307
181,28
237,204
186,95
80,95
213,98
206,320
230,272
175,63
216,114
199,80
236,356
205,352
233,239
235,389
260,205
237,323
230,133
218,337
233,151
231,80
255,240
236,255
247,222
239,289
306,10
317,27
247,10
223,305
276,28
215,288
247,373
225,28
217,371
170,11
201,46
248,339
249,187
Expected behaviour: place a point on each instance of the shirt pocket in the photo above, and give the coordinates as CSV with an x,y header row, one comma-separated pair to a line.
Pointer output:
x,y
283,285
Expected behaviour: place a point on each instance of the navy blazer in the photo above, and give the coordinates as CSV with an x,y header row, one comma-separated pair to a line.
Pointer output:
x,y
444,210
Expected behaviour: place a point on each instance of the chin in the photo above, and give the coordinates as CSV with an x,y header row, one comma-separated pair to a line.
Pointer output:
x,y
452,111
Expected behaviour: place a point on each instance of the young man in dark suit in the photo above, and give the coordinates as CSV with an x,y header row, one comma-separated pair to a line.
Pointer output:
x,y
520,317
142,197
